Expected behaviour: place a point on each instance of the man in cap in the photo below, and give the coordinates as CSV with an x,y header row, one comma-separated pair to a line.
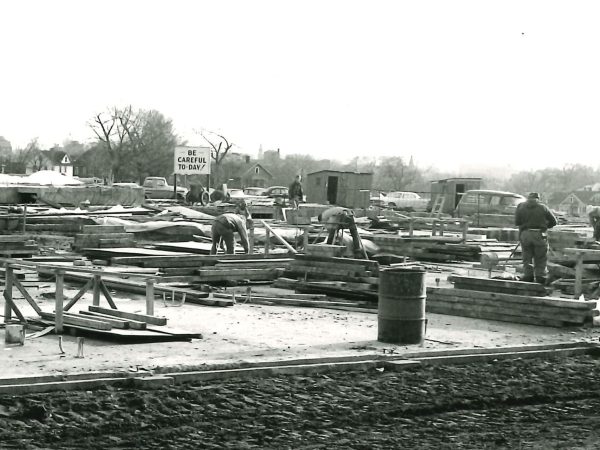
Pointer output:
x,y
227,224
533,219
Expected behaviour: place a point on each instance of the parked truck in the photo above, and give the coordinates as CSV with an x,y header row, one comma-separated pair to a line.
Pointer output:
x,y
158,188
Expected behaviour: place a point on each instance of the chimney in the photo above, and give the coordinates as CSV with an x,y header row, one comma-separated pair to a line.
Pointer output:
x,y
247,159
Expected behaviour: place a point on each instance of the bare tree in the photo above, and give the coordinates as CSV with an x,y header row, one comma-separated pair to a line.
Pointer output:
x,y
112,129
220,147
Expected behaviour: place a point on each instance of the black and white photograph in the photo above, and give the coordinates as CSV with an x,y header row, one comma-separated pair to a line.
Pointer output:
x,y
336,224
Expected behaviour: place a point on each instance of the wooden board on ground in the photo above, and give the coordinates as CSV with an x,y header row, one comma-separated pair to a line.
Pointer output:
x,y
129,315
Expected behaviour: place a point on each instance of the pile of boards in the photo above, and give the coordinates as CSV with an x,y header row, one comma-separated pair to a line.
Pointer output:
x,y
121,325
339,277
99,236
18,246
442,248
508,301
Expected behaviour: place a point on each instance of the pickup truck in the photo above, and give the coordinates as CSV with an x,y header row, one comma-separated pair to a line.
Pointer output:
x,y
158,188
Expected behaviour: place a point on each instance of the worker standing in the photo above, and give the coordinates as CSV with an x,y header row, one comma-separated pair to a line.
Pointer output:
x,y
338,218
533,219
226,225
295,192
593,213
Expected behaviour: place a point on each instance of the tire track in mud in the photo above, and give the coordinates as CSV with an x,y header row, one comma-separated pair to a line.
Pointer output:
x,y
504,404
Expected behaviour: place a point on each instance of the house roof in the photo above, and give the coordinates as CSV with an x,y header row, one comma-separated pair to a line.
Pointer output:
x,y
56,157
585,197
340,171
247,171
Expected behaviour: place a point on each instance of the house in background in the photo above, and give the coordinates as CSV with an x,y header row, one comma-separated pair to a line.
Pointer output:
x,y
254,176
349,189
56,160
576,202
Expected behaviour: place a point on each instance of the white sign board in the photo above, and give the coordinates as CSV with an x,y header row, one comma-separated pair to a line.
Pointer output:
x,y
192,160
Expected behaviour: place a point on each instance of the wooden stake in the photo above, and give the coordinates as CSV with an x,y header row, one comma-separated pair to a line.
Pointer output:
x,y
150,297
96,290
8,293
58,306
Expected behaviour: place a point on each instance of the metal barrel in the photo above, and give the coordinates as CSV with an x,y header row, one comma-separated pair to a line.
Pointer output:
x,y
401,311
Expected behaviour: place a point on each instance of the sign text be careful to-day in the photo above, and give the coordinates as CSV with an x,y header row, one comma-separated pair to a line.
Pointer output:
x,y
192,160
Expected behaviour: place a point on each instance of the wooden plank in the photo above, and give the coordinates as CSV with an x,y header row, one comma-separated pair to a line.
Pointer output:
x,y
279,238
129,315
499,289
133,324
71,319
509,298
102,229
79,294
490,282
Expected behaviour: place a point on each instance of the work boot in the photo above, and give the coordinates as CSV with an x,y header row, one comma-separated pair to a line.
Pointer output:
x,y
541,280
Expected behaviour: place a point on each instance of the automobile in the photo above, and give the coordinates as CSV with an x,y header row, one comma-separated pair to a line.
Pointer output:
x,y
377,198
158,188
126,185
409,201
485,201
254,191
278,193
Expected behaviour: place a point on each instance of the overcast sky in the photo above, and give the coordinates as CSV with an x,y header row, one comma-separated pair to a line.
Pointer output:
x,y
448,82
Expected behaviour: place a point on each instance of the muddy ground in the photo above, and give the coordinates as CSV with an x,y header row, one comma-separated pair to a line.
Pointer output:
x,y
503,404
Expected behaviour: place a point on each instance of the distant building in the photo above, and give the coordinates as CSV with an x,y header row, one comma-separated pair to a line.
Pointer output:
x,y
56,160
575,203
255,176
349,189
452,190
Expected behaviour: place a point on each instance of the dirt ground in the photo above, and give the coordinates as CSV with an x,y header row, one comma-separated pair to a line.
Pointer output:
x,y
525,404
252,333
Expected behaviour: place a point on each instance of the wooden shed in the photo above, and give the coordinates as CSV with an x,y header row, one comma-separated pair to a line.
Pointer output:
x,y
452,190
349,189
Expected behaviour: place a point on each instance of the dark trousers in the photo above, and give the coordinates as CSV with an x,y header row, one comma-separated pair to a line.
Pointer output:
x,y
221,231
597,229
534,248
344,221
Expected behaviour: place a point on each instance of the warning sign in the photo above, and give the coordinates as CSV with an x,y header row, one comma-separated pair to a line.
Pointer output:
x,y
192,160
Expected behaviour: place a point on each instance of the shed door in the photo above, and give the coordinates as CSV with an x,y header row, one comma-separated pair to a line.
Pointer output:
x,y
459,191
332,189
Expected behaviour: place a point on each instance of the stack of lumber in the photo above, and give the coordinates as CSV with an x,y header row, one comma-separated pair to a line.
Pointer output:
x,y
121,325
498,285
441,248
332,268
18,246
568,238
300,299
99,236
509,307
55,223
325,250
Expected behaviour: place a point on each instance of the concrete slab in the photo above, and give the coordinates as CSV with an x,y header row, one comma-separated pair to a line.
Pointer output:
x,y
250,334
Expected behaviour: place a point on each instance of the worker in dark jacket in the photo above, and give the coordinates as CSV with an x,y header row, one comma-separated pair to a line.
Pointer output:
x,y
295,192
226,225
337,218
533,219
593,213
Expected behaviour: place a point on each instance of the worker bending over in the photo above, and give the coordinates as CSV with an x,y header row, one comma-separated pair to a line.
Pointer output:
x,y
533,219
337,218
594,216
226,225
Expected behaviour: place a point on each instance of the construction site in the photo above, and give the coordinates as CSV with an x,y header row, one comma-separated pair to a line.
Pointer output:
x,y
121,330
